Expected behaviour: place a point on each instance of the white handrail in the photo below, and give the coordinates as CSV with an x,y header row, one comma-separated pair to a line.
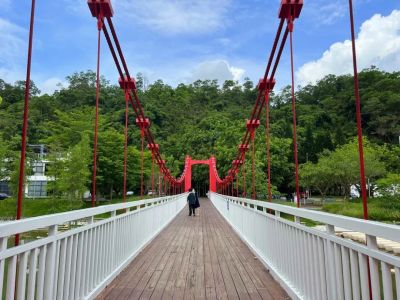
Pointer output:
x,y
30,224
380,229
79,262
310,263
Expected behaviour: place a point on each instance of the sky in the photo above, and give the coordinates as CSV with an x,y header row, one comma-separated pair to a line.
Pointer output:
x,y
180,41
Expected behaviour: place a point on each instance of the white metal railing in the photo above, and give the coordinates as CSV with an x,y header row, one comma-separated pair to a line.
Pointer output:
x,y
78,263
310,263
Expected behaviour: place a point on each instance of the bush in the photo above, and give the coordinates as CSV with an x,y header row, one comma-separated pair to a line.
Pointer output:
x,y
385,209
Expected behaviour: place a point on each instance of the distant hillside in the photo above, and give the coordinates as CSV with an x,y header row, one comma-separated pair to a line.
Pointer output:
x,y
203,118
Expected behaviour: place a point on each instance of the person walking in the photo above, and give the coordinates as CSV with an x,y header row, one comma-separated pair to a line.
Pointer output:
x,y
192,200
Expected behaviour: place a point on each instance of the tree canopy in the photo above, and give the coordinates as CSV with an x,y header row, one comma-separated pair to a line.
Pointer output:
x,y
206,118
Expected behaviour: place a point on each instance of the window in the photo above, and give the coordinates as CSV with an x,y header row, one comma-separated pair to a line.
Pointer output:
x,y
37,189
4,187
38,169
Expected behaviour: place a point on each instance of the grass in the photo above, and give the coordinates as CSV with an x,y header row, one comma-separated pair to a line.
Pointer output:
x,y
307,222
46,206
282,202
385,209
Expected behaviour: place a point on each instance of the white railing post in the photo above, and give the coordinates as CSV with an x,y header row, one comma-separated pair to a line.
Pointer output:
x,y
12,267
3,246
330,262
114,230
50,266
312,263
373,268
21,284
41,272
80,261
32,274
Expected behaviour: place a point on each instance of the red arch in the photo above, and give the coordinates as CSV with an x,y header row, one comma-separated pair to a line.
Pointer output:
x,y
211,162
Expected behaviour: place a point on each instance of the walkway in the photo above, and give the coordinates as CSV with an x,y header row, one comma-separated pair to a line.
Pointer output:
x,y
195,257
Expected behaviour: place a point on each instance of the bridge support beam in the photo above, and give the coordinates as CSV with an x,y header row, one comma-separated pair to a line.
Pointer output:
x,y
189,162
188,175
213,178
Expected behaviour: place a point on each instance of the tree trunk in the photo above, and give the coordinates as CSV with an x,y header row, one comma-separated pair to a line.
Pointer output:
x,y
346,191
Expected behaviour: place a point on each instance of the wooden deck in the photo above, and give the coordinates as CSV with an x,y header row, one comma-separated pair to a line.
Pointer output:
x,y
195,257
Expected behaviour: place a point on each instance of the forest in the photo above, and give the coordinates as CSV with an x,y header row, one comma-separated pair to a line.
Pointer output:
x,y
206,118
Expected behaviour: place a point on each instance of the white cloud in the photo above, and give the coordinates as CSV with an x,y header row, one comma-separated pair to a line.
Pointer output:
x,y
50,85
10,40
76,7
378,44
325,12
11,50
176,16
216,69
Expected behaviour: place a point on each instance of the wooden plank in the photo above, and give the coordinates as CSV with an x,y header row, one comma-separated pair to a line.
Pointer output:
x,y
113,289
219,237
209,282
123,284
162,282
246,261
200,292
180,282
195,258
191,273
157,291
228,280
135,292
117,289
236,263
266,285
218,279
169,290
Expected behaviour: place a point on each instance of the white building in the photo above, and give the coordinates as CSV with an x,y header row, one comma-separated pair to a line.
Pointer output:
x,y
36,184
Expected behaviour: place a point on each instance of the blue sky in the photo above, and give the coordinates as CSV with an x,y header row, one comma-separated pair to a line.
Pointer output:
x,y
181,41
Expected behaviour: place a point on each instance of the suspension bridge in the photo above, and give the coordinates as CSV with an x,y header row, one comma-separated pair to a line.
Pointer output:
x,y
237,248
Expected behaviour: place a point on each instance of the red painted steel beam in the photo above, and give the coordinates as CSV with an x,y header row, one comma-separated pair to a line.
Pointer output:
x,y
359,132
21,178
287,8
121,65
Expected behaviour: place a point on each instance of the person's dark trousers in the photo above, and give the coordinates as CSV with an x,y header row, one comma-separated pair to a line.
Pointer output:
x,y
192,210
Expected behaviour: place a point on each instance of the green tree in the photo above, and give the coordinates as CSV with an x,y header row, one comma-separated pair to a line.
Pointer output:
x,y
318,175
345,162
56,170
75,176
3,159
389,185
69,170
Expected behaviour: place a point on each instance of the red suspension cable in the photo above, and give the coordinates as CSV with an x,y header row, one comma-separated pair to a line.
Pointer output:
x,y
25,121
152,172
126,141
165,186
358,114
96,122
273,62
244,179
253,165
296,162
237,185
267,132
142,164
359,134
158,183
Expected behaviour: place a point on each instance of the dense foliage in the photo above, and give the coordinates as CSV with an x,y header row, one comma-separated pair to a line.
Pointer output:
x,y
203,119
